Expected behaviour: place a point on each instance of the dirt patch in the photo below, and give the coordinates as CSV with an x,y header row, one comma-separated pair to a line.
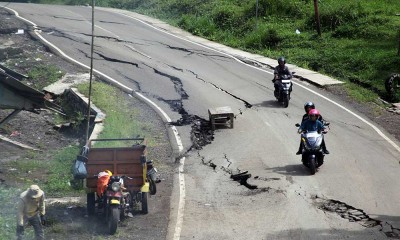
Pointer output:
x,y
390,121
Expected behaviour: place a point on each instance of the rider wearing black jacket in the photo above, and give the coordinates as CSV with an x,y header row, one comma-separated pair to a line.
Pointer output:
x,y
280,70
307,107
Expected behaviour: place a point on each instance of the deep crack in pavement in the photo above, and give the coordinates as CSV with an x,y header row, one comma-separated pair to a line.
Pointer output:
x,y
197,52
241,176
353,214
116,60
247,104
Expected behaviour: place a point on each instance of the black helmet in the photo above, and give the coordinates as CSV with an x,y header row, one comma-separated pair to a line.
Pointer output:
x,y
308,105
281,59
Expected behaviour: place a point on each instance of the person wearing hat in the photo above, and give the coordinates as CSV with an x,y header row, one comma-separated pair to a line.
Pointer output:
x,y
31,207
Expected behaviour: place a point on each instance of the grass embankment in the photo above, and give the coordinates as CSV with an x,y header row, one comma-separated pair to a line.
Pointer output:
x,y
53,174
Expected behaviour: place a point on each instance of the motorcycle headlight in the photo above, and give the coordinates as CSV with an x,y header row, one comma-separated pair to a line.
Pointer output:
x,y
116,186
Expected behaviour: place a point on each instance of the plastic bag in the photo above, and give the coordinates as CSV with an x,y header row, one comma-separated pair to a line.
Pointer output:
x,y
79,169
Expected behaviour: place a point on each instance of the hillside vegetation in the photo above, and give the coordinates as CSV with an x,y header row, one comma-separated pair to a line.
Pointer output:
x,y
359,41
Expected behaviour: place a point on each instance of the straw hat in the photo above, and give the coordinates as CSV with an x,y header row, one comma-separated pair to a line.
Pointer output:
x,y
34,191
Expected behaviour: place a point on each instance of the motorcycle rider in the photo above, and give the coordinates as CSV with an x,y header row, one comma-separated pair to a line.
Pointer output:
x,y
312,124
307,107
280,70
31,207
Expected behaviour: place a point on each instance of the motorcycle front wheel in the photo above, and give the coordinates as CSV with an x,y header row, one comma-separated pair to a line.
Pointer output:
x,y
113,219
312,165
285,101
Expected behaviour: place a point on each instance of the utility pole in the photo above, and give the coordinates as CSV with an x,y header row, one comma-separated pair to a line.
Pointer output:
x,y
317,17
91,74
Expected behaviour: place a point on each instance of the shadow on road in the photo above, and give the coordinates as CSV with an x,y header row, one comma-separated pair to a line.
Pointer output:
x,y
269,104
292,170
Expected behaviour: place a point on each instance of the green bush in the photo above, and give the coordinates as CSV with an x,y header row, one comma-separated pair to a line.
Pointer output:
x,y
227,17
262,38
333,16
201,26
288,8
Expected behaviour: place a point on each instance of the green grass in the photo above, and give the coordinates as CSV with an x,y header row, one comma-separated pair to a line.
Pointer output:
x,y
53,175
120,119
360,94
44,75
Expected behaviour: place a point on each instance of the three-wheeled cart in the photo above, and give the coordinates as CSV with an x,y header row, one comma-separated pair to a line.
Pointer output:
x,y
128,160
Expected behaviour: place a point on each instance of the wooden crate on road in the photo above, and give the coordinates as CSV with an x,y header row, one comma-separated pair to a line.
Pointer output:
x,y
221,116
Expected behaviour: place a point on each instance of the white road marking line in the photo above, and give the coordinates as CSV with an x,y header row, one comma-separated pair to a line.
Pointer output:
x,y
267,123
181,177
108,32
134,49
89,22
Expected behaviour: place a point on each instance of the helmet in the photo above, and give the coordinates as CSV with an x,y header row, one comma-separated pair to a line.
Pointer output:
x,y
309,105
281,59
313,112
109,172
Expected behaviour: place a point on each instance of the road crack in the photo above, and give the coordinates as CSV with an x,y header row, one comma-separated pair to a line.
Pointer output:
x,y
353,214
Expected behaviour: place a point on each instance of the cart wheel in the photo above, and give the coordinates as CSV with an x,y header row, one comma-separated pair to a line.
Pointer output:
x,y
145,207
153,187
91,201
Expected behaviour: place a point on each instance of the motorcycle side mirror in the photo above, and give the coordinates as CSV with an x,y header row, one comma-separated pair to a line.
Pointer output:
x,y
297,125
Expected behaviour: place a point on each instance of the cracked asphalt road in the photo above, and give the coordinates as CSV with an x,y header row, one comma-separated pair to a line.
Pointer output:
x,y
185,79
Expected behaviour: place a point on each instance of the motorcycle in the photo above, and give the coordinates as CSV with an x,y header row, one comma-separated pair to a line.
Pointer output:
x,y
115,202
285,88
151,177
312,156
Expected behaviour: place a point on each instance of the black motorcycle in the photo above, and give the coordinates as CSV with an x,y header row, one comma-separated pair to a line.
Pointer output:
x,y
284,90
312,156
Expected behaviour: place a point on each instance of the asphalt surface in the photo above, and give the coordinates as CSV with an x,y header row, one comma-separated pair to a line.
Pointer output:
x,y
186,78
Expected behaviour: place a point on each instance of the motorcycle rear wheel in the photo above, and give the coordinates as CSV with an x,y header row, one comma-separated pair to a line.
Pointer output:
x,y
128,205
